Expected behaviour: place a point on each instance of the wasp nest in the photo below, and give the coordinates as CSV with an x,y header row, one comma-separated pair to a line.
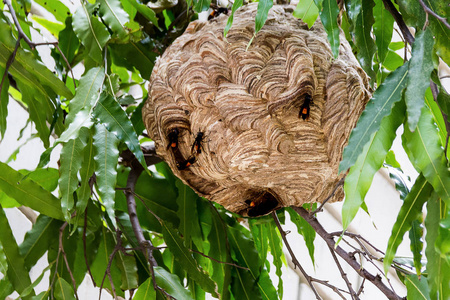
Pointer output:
x,y
260,128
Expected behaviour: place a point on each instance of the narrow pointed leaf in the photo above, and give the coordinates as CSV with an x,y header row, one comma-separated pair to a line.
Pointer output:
x,y
409,212
81,120
17,272
171,284
260,234
328,16
128,269
236,5
145,291
305,230
382,29
378,107
86,172
187,261
28,193
420,67
92,34
111,114
86,93
3,261
31,287
417,288
276,249
187,213
438,268
71,159
63,290
370,160
353,9
426,154
416,242
363,39
307,11
106,157
261,15
243,285
4,99
146,11
68,41
113,14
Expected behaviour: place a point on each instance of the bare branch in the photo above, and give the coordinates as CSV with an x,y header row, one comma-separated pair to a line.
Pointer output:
x,y
218,261
85,248
61,250
399,20
344,275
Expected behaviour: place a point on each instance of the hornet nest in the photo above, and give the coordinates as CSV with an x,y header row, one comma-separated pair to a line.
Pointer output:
x,y
260,128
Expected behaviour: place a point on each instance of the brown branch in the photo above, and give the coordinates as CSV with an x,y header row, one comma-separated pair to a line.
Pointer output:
x,y
117,248
344,275
375,279
61,250
429,11
399,20
218,261
85,248
338,184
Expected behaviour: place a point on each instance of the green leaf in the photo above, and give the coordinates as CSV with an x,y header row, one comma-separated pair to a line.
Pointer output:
x,y
68,41
17,272
259,232
111,114
53,27
426,154
3,262
47,178
171,284
328,16
71,159
420,67
378,107
4,99
409,212
28,193
417,288
307,11
438,268
382,29
146,11
305,230
243,285
187,213
87,92
128,269
441,32
353,8
81,120
416,243
145,291
106,157
63,290
370,160
363,39
92,34
113,14
201,5
261,15
276,248
236,5
6,288
186,260
56,8
392,61
86,172
134,55
37,241
30,288
437,111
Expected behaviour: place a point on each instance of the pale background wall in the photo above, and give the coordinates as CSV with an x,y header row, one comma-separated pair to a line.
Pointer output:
x,y
382,200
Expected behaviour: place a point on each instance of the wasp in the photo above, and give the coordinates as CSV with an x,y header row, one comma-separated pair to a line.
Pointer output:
x,y
173,139
182,165
305,109
197,145
216,11
261,205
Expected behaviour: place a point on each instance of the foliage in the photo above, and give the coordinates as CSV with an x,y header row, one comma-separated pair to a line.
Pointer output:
x,y
197,246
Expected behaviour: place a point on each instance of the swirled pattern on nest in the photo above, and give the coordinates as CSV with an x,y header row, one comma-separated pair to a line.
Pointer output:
x,y
274,118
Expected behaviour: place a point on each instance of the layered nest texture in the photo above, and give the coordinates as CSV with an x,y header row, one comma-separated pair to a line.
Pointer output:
x,y
260,128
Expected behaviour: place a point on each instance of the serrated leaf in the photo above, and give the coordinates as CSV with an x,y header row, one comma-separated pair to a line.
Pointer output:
x,y
70,160
426,154
378,107
145,291
382,29
111,114
106,157
4,99
186,260
247,256
171,284
307,11
438,268
63,290
417,288
236,5
328,16
87,92
416,243
81,120
17,272
276,249
92,34
37,241
410,211
28,193
370,160
201,5
3,262
114,15
187,213
261,15
305,230
363,39
420,67
128,269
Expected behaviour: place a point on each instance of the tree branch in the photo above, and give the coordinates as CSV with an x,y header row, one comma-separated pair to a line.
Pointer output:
x,y
429,11
399,20
328,238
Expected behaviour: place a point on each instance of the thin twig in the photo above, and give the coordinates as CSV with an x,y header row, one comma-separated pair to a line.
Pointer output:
x,y
294,259
344,275
429,11
218,261
108,267
85,247
61,250
361,288
338,184
374,279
